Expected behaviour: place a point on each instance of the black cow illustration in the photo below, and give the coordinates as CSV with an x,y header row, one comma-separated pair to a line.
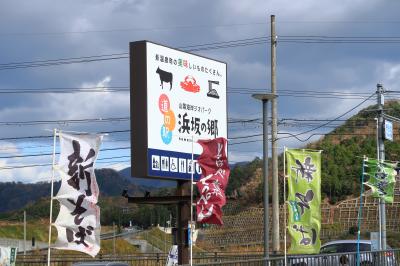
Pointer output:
x,y
165,77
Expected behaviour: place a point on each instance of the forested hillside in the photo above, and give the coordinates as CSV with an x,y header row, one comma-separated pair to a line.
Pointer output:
x,y
343,151
15,195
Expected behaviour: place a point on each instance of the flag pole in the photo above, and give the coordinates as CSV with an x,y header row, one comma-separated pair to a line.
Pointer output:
x,y
284,203
191,208
359,218
51,194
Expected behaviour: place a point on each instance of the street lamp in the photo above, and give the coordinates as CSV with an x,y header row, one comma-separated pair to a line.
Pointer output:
x,y
265,98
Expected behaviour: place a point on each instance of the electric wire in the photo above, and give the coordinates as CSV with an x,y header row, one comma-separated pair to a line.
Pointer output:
x,y
324,124
115,56
11,167
51,136
216,45
64,121
129,29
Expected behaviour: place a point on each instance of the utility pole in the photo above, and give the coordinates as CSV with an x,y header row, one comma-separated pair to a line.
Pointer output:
x,y
381,158
24,232
275,184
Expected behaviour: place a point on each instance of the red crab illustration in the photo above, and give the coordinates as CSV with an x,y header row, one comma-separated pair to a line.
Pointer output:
x,y
190,84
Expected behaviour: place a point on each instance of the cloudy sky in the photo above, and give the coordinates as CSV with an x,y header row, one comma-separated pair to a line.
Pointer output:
x,y
330,57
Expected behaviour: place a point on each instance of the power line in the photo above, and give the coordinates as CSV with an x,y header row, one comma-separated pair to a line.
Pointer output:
x,y
12,167
333,120
293,93
343,21
61,59
96,58
72,121
312,135
64,90
51,136
126,118
286,120
49,154
210,46
230,144
131,29
62,63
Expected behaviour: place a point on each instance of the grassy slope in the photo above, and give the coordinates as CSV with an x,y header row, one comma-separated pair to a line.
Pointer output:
x,y
158,238
39,230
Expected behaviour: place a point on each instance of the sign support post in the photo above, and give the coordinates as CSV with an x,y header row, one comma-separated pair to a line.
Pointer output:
x,y
191,206
183,221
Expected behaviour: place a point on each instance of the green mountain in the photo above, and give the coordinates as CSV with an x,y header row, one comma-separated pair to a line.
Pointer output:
x,y
344,148
15,195
343,151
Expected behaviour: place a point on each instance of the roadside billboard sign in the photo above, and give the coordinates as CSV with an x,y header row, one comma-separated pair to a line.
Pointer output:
x,y
176,97
388,130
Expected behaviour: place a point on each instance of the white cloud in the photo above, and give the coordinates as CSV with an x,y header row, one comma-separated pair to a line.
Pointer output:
x,y
8,147
90,105
28,174
321,67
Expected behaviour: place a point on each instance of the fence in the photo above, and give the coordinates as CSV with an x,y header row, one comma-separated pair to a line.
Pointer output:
x,y
246,226
377,258
149,259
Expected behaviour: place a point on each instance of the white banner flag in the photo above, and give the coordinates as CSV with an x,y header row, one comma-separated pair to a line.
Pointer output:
x,y
78,226
78,223
77,212
172,258
76,165
8,256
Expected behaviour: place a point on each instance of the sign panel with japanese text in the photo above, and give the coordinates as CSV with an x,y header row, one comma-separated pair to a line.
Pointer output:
x,y
388,130
175,97
304,200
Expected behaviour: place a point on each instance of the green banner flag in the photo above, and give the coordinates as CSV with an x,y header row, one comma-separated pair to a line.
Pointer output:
x,y
8,256
381,178
304,200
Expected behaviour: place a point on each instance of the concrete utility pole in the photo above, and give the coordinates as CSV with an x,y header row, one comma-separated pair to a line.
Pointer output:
x,y
275,185
265,98
381,157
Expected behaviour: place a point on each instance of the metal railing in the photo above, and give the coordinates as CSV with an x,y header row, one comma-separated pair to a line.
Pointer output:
x,y
145,259
365,258
375,258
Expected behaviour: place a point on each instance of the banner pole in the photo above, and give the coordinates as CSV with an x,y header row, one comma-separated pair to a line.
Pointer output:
x,y
51,194
191,207
284,203
360,212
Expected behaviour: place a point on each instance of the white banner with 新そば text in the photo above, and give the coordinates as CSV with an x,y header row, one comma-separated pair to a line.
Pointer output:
x,y
78,222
